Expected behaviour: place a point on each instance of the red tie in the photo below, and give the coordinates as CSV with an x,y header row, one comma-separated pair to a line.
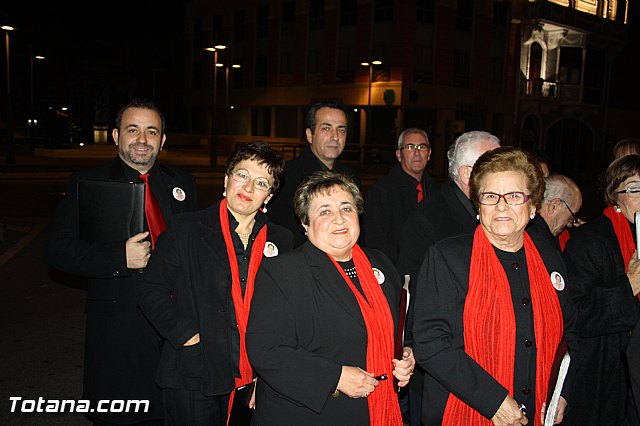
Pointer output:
x,y
420,192
152,211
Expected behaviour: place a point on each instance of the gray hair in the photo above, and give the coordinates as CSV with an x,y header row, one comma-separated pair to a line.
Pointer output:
x,y
559,186
463,151
410,131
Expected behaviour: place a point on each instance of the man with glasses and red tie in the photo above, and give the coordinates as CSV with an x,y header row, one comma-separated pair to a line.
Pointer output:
x,y
447,213
122,349
391,199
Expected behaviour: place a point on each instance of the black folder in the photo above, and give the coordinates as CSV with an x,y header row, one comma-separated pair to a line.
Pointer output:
x,y
110,211
240,412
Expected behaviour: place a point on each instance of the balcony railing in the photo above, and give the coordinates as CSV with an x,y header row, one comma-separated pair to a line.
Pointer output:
x,y
538,87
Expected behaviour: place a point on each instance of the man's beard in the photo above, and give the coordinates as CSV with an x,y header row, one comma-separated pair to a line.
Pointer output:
x,y
137,159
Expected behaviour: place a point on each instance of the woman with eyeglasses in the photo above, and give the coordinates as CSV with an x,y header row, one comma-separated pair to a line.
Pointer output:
x,y
487,318
604,280
198,287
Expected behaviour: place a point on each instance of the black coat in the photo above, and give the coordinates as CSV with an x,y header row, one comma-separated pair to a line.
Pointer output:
x,y
305,324
539,228
121,348
280,208
448,212
607,312
388,204
187,290
438,329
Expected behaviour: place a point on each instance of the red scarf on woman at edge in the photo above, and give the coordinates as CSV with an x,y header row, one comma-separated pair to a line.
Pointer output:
x,y
240,304
623,234
384,409
489,325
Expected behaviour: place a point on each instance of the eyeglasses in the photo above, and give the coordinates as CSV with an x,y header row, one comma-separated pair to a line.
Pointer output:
x,y
574,218
511,198
632,191
242,177
410,147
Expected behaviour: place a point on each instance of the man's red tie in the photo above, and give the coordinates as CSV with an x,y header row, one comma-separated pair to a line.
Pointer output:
x,y
152,211
420,192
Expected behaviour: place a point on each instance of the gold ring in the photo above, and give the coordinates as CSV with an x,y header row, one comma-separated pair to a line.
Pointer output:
x,y
366,394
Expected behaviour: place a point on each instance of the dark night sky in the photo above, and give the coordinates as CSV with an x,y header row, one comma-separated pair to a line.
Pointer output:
x,y
140,35
78,24
132,47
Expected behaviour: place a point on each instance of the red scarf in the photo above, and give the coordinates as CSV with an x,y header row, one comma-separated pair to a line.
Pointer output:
x,y
384,409
623,233
489,325
240,304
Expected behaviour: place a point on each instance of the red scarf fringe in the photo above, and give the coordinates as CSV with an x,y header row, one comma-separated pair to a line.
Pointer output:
x,y
489,325
241,304
623,233
384,409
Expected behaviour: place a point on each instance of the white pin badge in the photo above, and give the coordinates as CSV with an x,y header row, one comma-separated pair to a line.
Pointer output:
x,y
270,249
379,275
178,194
557,281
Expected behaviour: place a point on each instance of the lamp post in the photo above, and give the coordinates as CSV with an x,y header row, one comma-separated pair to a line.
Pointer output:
x,y
213,153
226,86
368,131
10,154
33,121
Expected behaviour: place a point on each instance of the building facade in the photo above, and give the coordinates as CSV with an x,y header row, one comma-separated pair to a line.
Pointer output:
x,y
535,73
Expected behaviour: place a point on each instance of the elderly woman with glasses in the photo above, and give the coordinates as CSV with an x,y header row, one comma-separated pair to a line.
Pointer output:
x,y
604,280
198,288
487,318
321,334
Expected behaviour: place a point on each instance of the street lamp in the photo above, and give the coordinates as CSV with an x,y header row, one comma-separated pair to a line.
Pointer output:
x,y
226,87
11,156
33,121
213,152
368,132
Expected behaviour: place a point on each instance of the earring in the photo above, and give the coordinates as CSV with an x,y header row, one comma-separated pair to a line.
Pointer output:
x,y
264,208
478,217
224,193
617,209
532,215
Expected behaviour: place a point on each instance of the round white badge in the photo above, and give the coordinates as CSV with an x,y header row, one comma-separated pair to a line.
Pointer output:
x,y
379,275
557,281
270,249
178,194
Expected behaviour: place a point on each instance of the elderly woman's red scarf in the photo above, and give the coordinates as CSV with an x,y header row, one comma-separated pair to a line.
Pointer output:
x,y
241,304
623,233
489,325
384,409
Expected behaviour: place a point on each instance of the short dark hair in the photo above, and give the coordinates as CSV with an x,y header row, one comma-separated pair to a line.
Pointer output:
x,y
261,152
618,171
144,104
311,114
323,182
508,159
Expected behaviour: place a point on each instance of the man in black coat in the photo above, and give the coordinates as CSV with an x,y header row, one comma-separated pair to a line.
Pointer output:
x,y
395,196
122,349
447,213
326,133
